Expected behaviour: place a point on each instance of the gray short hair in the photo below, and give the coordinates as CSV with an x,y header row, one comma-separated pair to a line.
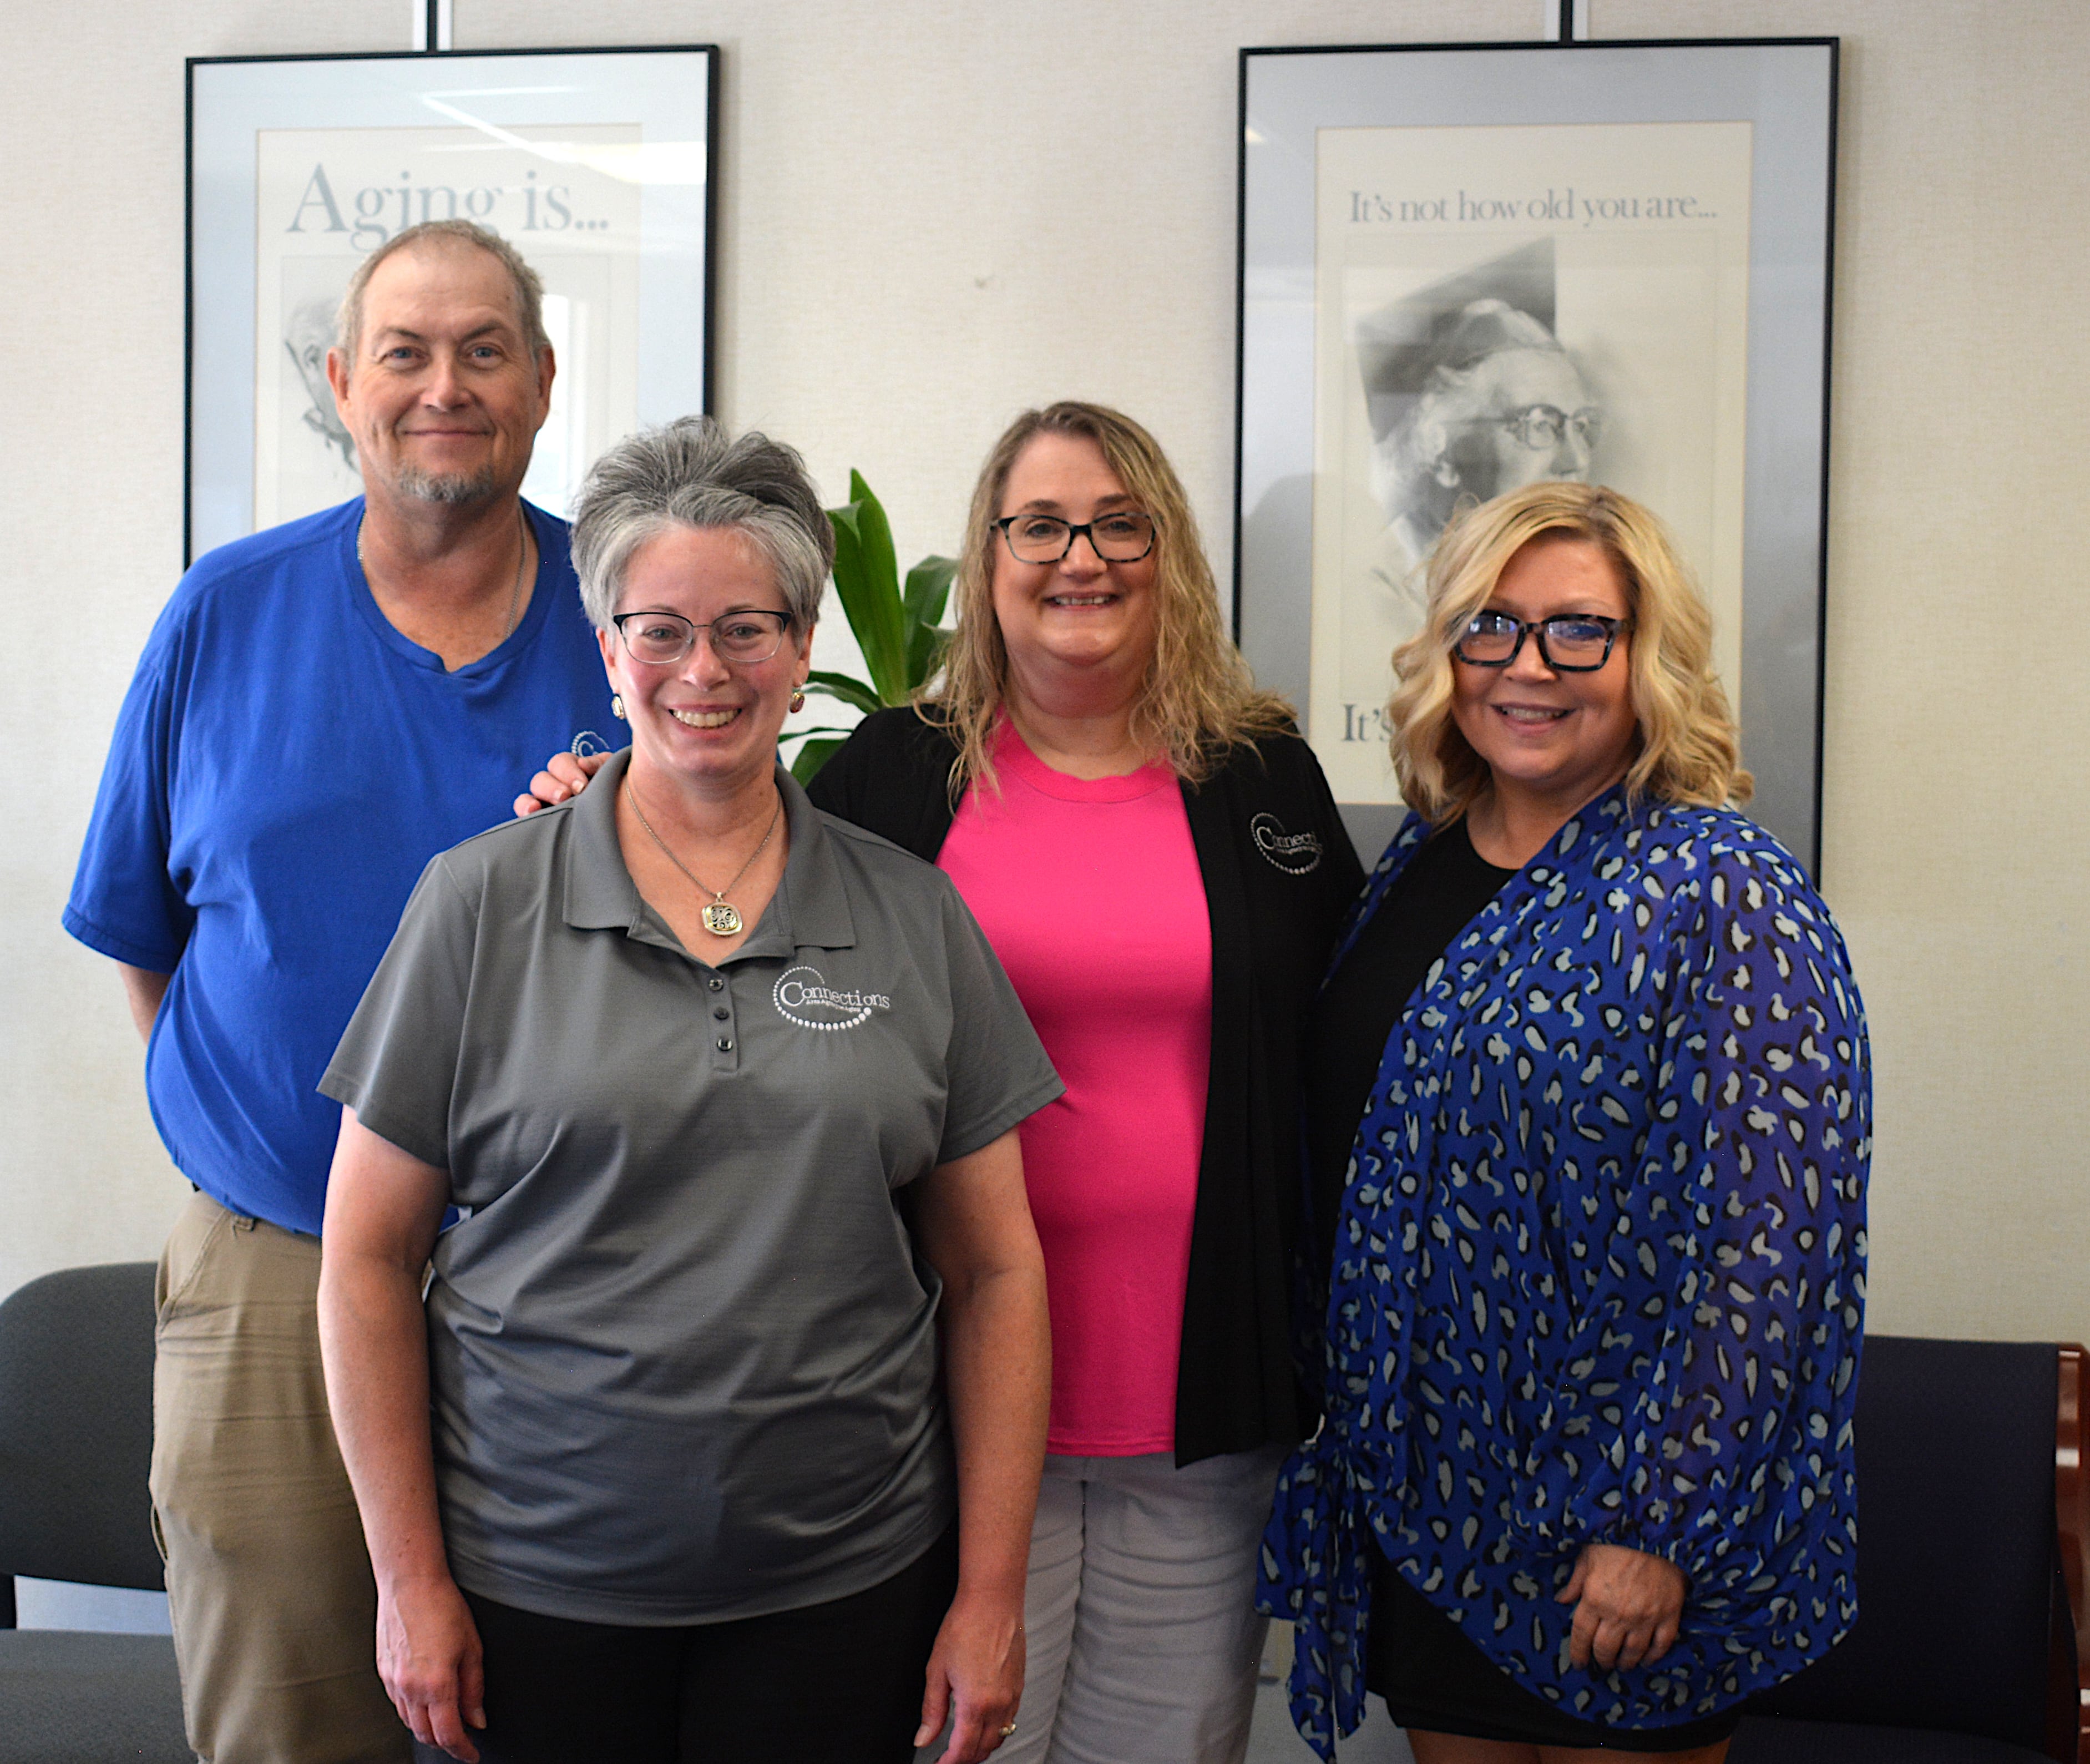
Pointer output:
x,y
692,473
528,285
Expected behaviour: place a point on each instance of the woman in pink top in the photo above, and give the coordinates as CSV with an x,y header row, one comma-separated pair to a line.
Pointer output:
x,y
1155,857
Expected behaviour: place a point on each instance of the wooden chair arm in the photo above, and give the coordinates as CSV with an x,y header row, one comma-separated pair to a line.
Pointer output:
x,y
2070,1727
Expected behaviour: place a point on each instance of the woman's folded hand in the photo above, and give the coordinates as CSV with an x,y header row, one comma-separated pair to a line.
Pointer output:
x,y
1627,1605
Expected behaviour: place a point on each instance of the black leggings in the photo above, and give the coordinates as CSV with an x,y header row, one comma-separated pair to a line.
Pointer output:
x,y
834,1683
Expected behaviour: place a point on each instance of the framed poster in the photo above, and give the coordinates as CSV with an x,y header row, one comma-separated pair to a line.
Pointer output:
x,y
1466,268
595,164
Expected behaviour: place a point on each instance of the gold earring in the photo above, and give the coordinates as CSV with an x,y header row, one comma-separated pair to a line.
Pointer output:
x,y
617,706
797,698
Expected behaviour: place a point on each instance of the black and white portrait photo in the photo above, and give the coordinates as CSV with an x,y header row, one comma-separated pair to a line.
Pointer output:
x,y
308,333
1468,394
1498,306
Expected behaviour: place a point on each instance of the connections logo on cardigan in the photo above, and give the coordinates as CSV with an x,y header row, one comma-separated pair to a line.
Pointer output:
x,y
1294,854
802,996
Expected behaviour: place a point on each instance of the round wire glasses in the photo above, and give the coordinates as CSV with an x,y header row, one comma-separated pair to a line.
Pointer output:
x,y
1541,427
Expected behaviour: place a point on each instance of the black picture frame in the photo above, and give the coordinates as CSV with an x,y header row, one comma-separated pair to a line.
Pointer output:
x,y
1340,333
632,131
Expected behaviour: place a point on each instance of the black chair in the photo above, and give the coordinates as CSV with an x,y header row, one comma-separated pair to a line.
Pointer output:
x,y
76,1445
1970,1643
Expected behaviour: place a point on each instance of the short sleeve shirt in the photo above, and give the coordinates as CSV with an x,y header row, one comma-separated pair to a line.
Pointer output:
x,y
286,763
684,1356
1124,1009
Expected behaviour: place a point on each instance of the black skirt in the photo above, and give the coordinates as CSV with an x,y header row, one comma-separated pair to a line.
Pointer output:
x,y
1434,1680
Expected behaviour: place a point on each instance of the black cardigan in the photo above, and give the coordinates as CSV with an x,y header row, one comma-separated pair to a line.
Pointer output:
x,y
1278,871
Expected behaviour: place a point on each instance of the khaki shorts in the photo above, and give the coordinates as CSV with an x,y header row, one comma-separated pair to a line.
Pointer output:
x,y
269,1582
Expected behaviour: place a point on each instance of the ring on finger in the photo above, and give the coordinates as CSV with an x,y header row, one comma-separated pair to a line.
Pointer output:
x,y
1007,1728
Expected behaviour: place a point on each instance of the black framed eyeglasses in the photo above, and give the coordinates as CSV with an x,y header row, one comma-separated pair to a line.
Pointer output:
x,y
1576,642
1541,426
1124,537
664,638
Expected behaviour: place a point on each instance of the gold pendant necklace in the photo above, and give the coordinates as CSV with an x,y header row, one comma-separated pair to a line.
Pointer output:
x,y
721,918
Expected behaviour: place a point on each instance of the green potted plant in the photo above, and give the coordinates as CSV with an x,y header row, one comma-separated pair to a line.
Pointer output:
x,y
897,627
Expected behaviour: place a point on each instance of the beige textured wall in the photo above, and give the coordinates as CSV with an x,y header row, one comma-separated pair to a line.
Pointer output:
x,y
1954,821
917,239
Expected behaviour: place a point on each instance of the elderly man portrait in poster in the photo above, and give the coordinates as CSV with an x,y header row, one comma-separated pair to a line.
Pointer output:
x,y
1469,393
1493,308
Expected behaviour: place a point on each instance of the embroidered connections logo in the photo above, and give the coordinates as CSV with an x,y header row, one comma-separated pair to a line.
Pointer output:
x,y
802,996
1294,854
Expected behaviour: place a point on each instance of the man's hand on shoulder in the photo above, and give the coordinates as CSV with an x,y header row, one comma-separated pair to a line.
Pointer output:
x,y
565,775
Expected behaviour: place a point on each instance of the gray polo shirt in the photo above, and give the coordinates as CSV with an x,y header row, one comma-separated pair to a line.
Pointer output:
x,y
684,1357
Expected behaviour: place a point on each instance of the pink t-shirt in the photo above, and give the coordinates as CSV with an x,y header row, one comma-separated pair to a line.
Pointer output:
x,y
1089,889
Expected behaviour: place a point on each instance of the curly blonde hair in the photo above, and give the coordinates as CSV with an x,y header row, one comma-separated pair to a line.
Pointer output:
x,y
1687,748
1197,700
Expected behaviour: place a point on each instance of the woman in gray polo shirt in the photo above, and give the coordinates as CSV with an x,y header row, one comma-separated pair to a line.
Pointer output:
x,y
670,1459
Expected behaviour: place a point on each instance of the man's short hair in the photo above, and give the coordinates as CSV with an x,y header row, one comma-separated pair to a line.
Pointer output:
x,y
529,288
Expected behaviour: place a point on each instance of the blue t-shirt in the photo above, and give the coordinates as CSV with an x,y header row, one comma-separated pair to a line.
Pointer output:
x,y
285,765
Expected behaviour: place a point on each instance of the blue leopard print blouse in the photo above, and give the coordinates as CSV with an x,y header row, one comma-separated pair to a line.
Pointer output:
x,y
1599,1276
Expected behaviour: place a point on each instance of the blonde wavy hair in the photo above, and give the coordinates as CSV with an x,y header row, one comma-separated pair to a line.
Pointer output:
x,y
1687,748
1198,699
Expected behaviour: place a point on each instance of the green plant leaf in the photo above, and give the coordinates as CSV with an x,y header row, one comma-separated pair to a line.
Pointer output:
x,y
812,756
926,645
875,531
867,579
927,592
872,607
929,589
842,686
848,574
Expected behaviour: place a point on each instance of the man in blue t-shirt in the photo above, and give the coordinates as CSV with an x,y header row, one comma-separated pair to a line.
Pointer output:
x,y
319,710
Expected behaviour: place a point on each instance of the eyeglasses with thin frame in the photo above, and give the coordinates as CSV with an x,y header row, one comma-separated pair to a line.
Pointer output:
x,y
1574,643
1540,426
1125,536
663,638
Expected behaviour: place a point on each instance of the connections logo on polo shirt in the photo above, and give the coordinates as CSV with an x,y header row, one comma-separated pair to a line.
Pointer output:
x,y
802,996
1294,854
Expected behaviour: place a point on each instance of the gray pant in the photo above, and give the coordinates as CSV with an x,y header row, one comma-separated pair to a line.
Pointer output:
x,y
1141,1636
269,1583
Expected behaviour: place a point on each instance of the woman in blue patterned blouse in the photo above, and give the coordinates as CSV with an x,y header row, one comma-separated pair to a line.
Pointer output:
x,y
1589,1134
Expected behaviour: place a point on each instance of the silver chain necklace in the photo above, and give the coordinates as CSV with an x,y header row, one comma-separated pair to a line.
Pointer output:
x,y
720,918
514,594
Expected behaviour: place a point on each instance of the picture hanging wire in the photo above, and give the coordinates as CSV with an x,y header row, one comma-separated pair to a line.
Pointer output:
x,y
431,26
